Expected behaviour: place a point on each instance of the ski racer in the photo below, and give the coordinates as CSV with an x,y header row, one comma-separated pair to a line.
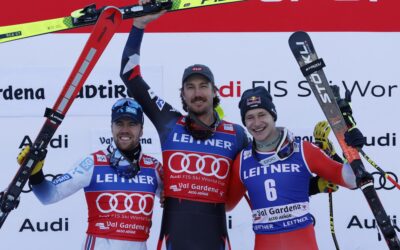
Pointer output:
x,y
275,171
198,150
120,184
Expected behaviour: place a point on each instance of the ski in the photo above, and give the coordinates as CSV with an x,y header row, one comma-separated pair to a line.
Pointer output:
x,y
103,31
312,68
89,15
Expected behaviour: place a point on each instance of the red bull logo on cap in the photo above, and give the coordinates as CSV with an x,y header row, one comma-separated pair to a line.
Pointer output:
x,y
254,100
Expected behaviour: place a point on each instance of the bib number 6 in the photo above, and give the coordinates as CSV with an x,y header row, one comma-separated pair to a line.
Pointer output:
x,y
270,190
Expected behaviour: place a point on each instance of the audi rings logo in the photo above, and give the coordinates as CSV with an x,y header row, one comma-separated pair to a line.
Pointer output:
x,y
380,181
123,203
206,165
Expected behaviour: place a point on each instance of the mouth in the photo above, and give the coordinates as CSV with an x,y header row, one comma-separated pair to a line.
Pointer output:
x,y
258,130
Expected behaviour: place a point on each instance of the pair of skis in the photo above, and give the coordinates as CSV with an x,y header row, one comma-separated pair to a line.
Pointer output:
x,y
106,22
312,68
106,26
89,15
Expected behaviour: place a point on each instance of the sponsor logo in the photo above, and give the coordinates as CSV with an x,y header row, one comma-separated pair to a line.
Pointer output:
x,y
147,160
232,89
102,91
101,226
108,140
271,169
115,178
11,93
61,179
246,154
125,203
192,163
314,77
228,127
359,223
387,140
160,103
380,181
59,141
175,188
45,226
101,158
186,138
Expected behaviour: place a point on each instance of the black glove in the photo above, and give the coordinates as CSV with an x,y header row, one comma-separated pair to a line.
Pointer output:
x,y
344,105
354,138
320,185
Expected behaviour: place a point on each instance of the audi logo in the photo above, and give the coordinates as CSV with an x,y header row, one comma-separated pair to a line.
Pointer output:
x,y
123,203
206,165
380,181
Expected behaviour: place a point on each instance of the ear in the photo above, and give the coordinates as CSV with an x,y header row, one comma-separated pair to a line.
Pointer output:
x,y
141,132
183,96
215,90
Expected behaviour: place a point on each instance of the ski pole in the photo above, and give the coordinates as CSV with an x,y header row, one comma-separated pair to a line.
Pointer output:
x,y
370,161
331,222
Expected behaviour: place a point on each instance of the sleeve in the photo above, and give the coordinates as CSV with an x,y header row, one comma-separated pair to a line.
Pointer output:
x,y
78,177
236,189
319,163
160,179
159,112
242,139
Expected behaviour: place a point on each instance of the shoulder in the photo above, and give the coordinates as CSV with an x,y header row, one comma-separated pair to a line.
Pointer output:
x,y
148,161
100,157
231,127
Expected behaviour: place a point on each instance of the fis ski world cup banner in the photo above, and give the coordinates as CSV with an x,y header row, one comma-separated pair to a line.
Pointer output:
x,y
246,45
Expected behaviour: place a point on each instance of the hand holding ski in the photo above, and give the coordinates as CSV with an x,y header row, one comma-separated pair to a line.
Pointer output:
x,y
89,15
312,68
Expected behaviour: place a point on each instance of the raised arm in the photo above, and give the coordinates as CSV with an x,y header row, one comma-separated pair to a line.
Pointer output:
x,y
158,111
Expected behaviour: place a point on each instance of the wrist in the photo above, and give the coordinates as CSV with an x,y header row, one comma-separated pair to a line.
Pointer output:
x,y
139,25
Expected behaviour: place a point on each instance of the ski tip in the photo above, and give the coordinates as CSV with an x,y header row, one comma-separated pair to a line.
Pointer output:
x,y
298,35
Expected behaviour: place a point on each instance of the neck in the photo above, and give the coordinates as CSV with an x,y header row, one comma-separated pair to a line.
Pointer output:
x,y
132,154
269,144
207,118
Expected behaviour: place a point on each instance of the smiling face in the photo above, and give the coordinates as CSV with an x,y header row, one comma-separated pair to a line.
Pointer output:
x,y
198,93
126,133
260,124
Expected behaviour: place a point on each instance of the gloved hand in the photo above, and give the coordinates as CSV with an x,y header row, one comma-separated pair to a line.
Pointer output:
x,y
345,106
24,152
325,186
354,138
321,134
320,185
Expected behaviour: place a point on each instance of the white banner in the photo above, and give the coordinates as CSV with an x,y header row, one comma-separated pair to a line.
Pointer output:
x,y
33,72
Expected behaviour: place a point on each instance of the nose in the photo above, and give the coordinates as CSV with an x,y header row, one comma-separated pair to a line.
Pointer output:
x,y
257,121
124,127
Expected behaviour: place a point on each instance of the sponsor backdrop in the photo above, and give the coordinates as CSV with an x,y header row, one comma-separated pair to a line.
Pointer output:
x,y
243,52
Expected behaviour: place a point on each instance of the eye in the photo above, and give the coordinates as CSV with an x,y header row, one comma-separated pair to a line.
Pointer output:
x,y
189,86
248,118
132,124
